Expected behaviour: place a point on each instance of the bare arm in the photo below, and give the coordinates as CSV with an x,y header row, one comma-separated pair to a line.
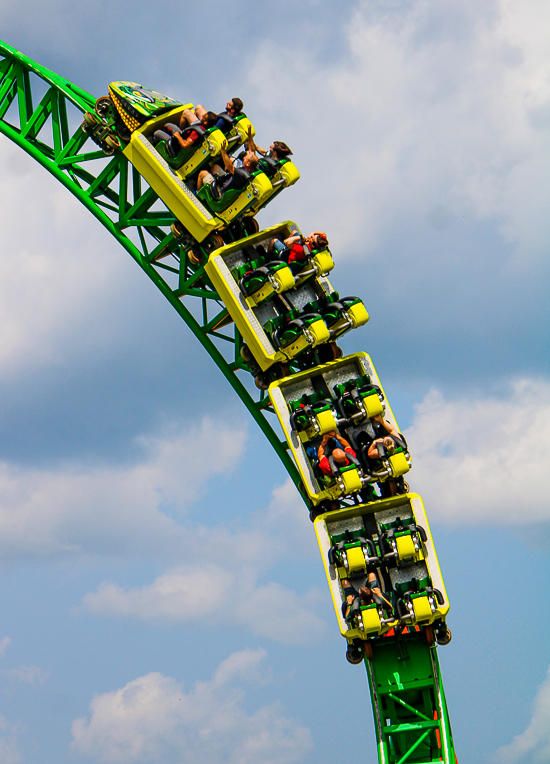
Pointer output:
x,y
292,239
250,145
387,426
227,163
183,142
326,438
373,450
342,441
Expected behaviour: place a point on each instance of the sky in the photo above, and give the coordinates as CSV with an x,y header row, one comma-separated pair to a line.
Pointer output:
x,y
163,596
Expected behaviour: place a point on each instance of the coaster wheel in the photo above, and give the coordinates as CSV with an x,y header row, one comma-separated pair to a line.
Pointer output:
x,y
262,381
212,243
444,639
354,654
123,131
105,107
251,226
112,142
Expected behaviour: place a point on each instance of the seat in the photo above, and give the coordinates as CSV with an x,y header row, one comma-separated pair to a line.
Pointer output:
x,y
353,557
190,160
419,606
359,399
402,544
371,618
313,415
266,279
310,326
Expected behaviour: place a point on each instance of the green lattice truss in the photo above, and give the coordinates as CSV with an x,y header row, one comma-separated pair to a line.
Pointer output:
x,y
116,194
410,712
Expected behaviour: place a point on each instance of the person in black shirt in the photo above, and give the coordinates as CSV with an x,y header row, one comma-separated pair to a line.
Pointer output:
x,y
234,174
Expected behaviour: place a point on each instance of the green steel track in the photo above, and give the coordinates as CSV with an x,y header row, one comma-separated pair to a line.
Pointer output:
x,y
41,112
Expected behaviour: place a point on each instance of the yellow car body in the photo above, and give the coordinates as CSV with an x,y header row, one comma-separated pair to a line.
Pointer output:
x,y
351,519
247,312
170,185
292,388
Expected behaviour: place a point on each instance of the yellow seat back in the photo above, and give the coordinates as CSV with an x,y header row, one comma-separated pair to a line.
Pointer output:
x,y
373,406
284,278
358,314
405,547
323,262
371,619
326,421
422,609
351,480
319,332
290,173
241,127
356,559
398,464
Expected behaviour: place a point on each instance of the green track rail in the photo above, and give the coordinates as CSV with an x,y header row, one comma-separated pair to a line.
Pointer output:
x,y
41,112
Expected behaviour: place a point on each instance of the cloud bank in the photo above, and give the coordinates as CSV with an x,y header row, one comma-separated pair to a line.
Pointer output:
x,y
152,718
113,509
483,459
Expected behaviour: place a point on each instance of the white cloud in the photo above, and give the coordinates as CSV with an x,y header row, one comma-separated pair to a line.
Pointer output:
x,y
533,745
483,459
113,509
219,595
153,719
222,579
438,105
4,644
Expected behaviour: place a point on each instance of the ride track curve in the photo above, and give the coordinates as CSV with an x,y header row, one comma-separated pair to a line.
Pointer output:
x,y
356,535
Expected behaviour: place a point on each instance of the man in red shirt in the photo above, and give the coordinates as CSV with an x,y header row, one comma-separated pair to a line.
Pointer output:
x,y
299,247
338,454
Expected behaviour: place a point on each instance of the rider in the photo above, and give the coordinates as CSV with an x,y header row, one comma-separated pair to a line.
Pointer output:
x,y
233,109
337,454
235,173
172,134
368,594
299,247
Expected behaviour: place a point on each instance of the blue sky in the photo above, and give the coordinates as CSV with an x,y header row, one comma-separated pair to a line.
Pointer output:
x,y
163,596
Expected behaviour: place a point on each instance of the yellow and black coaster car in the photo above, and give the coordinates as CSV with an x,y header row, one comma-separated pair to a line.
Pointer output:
x,y
343,397
281,307
388,542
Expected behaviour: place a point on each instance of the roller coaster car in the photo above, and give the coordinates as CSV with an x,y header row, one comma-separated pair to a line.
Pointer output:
x,y
131,115
353,543
311,403
199,214
260,291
